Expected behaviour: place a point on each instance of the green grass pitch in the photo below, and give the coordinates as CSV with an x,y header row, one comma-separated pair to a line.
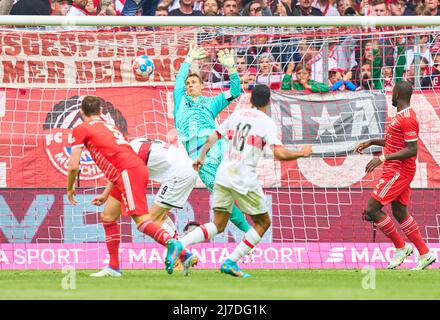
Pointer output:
x,y
211,284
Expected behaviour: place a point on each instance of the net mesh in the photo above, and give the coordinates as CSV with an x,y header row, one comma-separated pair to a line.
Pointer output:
x,y
315,203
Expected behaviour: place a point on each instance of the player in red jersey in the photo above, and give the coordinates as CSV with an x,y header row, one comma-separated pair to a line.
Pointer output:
x,y
121,166
399,158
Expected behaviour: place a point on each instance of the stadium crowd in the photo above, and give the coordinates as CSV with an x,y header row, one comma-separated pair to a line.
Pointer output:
x,y
345,62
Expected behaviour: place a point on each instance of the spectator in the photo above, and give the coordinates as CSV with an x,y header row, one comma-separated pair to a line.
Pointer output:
x,y
175,4
230,8
366,81
316,60
253,9
269,72
365,8
421,10
305,9
397,64
422,49
303,81
397,7
107,8
210,8
280,8
186,9
432,81
326,7
380,8
78,8
90,8
59,7
31,7
249,79
387,78
432,6
340,80
161,11
343,5
6,6
259,44
147,7
257,8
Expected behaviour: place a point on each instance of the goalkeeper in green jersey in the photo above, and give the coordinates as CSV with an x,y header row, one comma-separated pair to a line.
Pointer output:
x,y
194,117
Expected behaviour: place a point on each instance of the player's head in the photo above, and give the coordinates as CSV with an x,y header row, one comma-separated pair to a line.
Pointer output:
x,y
194,85
402,92
260,96
91,106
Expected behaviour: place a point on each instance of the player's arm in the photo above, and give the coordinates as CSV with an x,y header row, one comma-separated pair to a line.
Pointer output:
x,y
210,141
194,53
366,144
222,100
408,152
283,154
410,129
102,198
72,173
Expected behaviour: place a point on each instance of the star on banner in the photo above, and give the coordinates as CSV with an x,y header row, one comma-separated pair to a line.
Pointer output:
x,y
326,123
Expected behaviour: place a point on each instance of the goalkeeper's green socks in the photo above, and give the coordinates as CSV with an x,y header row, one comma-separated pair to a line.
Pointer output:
x,y
237,218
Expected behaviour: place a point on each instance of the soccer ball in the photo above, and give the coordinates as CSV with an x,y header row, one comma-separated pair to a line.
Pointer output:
x,y
143,66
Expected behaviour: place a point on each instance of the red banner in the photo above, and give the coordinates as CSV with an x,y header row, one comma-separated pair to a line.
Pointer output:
x,y
88,59
35,128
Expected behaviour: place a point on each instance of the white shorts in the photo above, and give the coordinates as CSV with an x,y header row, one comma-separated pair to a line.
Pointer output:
x,y
253,203
175,192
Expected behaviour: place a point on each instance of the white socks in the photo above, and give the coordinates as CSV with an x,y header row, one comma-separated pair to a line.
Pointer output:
x,y
169,226
250,240
204,232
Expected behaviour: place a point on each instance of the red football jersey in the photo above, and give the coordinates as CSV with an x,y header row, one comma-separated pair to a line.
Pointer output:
x,y
403,128
108,147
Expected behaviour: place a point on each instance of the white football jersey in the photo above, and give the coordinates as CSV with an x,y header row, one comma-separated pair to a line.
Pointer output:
x,y
248,131
165,161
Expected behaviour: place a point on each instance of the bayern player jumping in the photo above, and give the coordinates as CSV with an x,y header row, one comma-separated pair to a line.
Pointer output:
x,y
248,131
121,166
194,117
399,159
172,168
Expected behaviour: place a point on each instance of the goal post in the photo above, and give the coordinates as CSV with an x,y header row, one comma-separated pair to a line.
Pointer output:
x,y
316,204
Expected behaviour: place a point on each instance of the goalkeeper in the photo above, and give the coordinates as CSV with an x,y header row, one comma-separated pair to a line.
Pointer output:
x,y
194,117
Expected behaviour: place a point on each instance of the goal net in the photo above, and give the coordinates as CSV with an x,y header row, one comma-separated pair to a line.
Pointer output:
x,y
316,204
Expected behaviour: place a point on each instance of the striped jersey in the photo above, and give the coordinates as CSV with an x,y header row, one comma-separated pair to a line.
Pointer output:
x,y
107,145
248,131
403,128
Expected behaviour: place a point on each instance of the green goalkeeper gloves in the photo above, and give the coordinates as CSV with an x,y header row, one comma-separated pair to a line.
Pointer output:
x,y
226,58
195,53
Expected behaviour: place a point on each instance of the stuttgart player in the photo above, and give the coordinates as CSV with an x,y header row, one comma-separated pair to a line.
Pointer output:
x,y
167,165
248,131
399,158
121,166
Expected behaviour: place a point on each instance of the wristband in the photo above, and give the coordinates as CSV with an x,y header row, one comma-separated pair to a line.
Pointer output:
x,y
382,158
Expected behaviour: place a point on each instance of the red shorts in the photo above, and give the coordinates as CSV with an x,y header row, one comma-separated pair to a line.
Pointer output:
x,y
131,191
392,186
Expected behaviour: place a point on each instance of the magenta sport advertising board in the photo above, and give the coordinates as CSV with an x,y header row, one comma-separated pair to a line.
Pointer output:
x,y
41,230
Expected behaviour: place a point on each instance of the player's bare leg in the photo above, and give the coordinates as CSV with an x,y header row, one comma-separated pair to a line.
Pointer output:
x,y
109,220
410,228
386,225
250,240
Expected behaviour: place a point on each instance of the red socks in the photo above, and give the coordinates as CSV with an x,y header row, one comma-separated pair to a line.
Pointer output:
x,y
411,230
112,240
386,225
159,234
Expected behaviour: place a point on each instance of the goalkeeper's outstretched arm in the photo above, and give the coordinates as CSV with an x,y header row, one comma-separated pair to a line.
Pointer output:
x,y
194,53
222,100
